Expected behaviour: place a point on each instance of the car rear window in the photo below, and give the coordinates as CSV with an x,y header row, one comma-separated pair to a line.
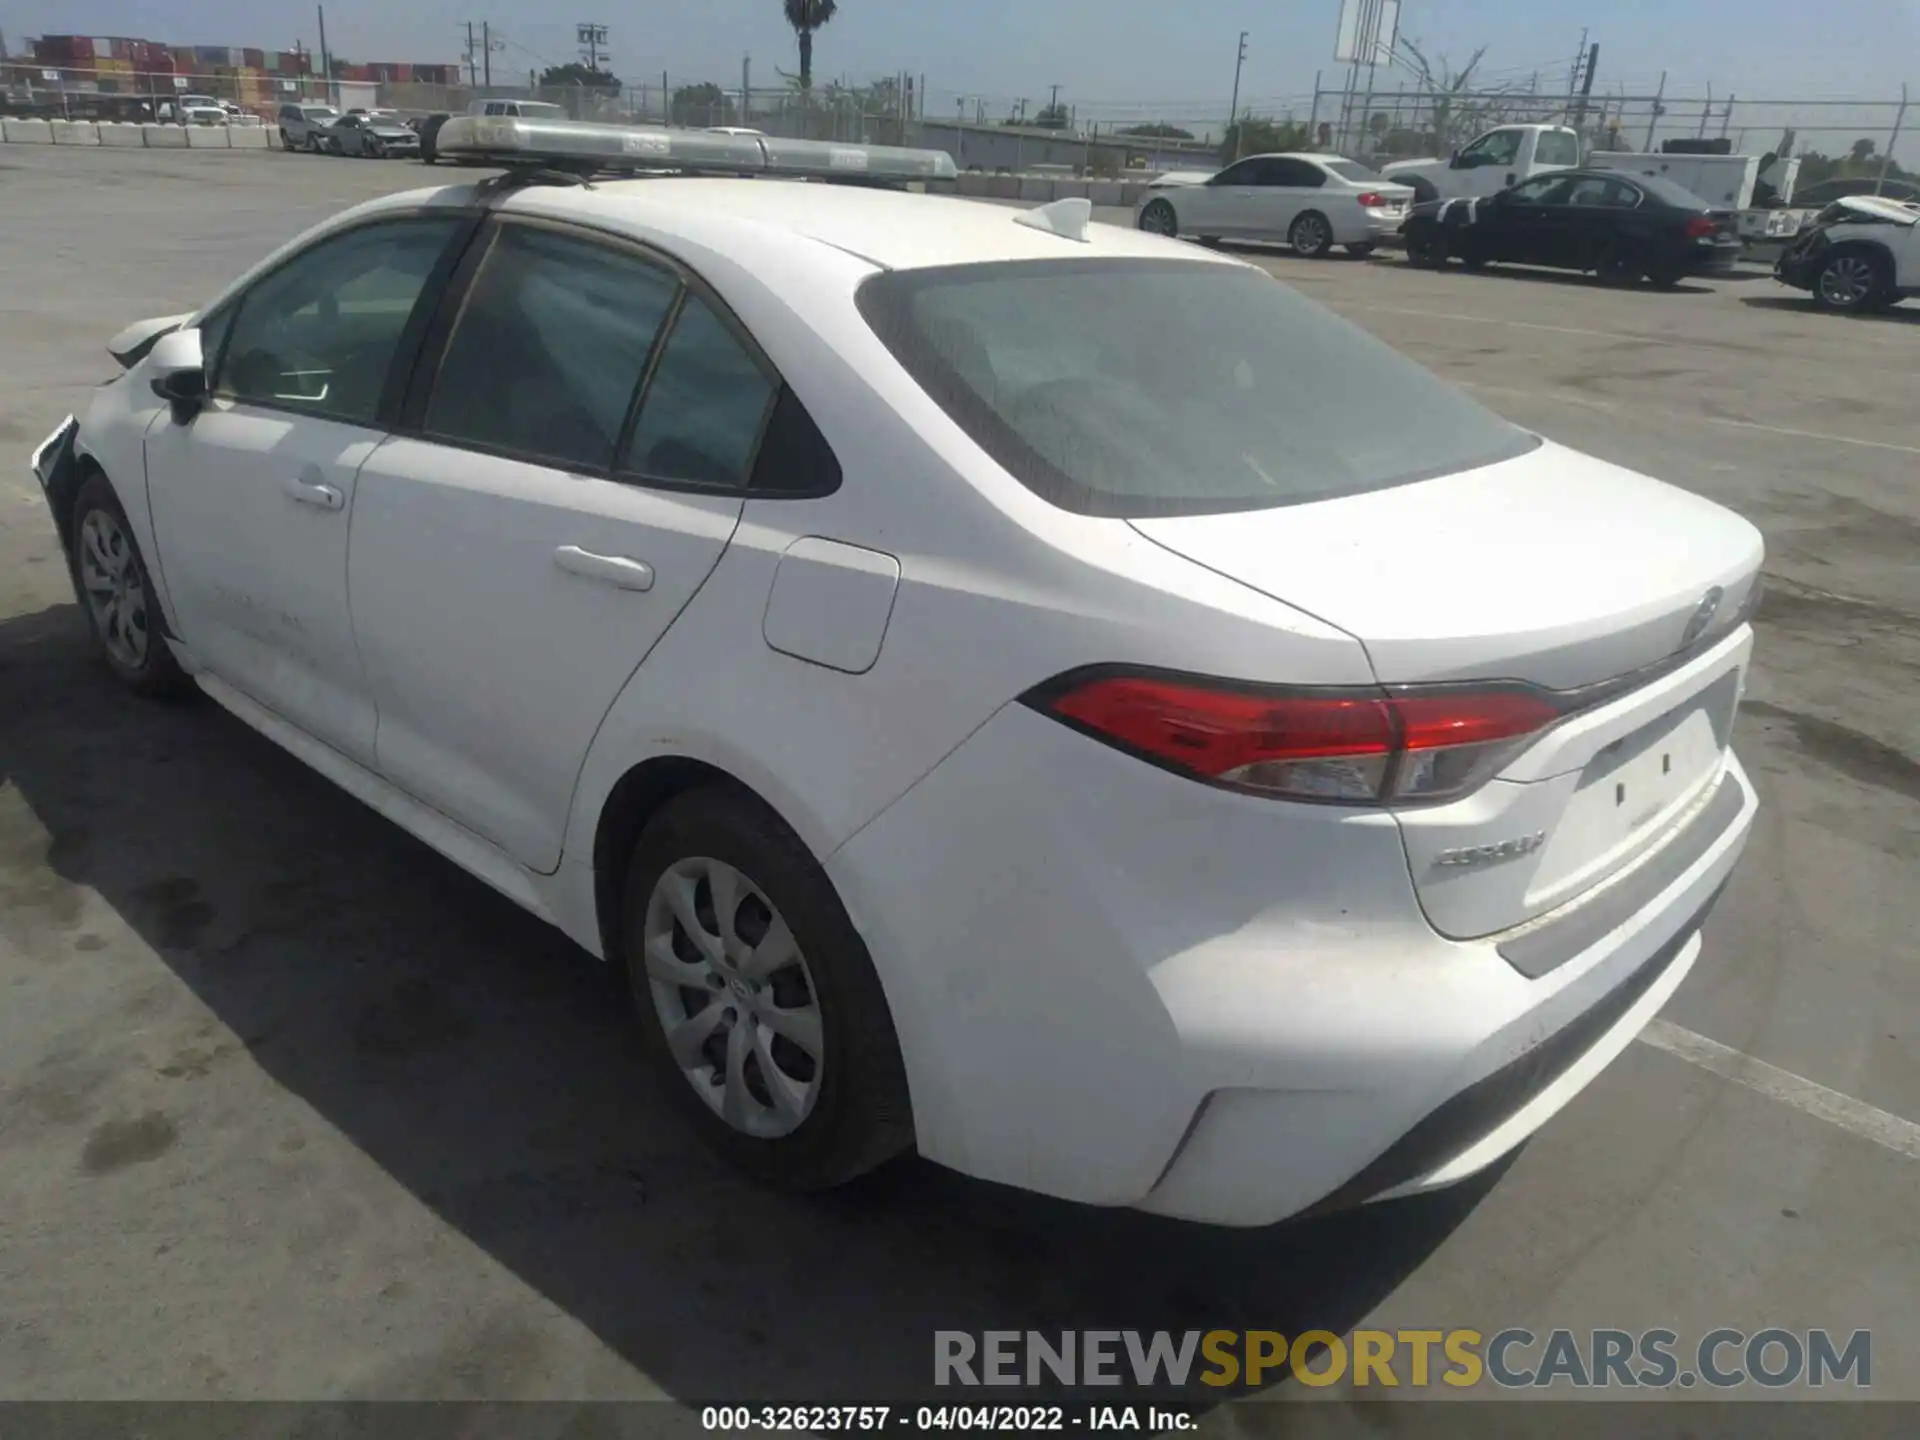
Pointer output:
x,y
1350,170
1123,387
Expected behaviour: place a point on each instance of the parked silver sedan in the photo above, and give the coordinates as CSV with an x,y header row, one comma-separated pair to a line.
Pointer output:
x,y
1312,202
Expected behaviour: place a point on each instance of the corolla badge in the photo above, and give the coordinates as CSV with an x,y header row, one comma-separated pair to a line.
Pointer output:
x,y
1702,617
1484,854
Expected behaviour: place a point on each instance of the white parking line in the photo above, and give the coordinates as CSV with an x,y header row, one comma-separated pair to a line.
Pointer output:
x,y
1856,1117
1641,412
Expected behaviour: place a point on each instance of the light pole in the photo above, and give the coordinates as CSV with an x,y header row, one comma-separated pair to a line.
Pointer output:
x,y
1233,105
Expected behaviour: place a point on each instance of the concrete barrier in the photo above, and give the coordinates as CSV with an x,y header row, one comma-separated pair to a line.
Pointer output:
x,y
1036,189
1130,195
121,133
247,137
26,132
1104,192
209,137
74,132
1071,190
164,137
1004,187
974,185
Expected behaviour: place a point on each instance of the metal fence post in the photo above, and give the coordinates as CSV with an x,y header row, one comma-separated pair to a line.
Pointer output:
x,y
1893,139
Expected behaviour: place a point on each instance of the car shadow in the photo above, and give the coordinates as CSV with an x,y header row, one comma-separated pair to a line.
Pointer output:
x,y
1805,305
484,1063
1574,278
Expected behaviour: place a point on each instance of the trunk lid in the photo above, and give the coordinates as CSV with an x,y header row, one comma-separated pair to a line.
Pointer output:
x,y
1555,569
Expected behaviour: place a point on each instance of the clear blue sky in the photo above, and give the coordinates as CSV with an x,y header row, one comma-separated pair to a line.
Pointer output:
x,y
1111,57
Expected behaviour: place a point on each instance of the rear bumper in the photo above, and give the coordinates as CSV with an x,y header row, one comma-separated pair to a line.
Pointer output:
x,y
1118,987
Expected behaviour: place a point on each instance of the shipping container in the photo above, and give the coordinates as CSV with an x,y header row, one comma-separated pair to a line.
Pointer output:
x,y
254,59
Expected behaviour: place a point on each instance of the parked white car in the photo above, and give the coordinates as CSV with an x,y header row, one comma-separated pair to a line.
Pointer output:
x,y
995,683
1312,202
1490,162
1861,253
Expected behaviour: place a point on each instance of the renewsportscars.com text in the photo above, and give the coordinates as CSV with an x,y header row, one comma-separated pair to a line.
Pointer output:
x,y
1511,1359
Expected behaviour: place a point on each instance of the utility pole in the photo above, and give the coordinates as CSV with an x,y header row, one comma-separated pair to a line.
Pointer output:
x,y
326,60
1233,105
1653,120
1586,85
486,52
473,81
1579,59
592,39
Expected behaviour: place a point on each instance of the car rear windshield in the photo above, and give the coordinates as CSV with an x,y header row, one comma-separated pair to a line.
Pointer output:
x,y
1350,170
1122,387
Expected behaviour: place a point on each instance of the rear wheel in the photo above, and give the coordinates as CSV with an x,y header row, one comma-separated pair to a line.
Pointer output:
x,y
1426,247
1616,265
761,1013
1311,236
117,594
1850,282
1158,219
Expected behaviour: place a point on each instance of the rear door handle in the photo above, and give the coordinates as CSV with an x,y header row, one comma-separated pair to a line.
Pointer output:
x,y
615,570
313,492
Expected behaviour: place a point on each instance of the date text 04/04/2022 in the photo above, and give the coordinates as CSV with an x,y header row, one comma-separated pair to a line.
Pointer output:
x,y
994,1419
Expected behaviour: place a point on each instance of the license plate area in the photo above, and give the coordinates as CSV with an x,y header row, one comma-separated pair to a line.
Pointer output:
x,y
1632,790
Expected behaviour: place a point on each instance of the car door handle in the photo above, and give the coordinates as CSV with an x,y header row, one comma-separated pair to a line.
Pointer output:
x,y
616,570
313,492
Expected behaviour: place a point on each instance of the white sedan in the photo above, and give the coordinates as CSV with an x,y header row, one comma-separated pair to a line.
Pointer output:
x,y
1312,202
996,684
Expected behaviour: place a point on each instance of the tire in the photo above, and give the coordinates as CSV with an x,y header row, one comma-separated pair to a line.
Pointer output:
x,y
1616,266
285,143
1852,282
114,588
1158,218
1359,252
1310,235
373,150
1427,247
846,1105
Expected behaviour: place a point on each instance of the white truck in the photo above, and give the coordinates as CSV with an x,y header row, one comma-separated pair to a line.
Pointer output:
x,y
1503,156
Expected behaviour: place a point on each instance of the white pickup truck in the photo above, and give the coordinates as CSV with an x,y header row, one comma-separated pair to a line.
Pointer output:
x,y
1493,161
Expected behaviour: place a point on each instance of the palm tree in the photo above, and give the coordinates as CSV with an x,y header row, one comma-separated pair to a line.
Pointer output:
x,y
807,16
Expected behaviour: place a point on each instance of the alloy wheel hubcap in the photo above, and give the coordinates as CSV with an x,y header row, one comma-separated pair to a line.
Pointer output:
x,y
115,593
1846,281
735,998
1313,235
1159,219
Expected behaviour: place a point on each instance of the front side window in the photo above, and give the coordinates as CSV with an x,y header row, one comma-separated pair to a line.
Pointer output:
x,y
1247,172
550,348
701,418
1547,190
319,334
1144,387
1501,147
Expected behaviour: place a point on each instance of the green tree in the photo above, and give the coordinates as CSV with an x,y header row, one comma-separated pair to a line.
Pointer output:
x,y
1053,117
574,73
1156,131
807,16
1861,151
1257,135
701,104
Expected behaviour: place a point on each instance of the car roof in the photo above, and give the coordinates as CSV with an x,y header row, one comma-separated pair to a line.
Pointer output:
x,y
891,229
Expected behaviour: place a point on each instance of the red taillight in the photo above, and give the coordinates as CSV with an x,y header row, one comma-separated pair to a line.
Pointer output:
x,y
1700,227
1372,200
1354,747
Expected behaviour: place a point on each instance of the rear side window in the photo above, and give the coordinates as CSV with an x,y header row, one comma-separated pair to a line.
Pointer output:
x,y
1168,387
1557,148
704,408
550,349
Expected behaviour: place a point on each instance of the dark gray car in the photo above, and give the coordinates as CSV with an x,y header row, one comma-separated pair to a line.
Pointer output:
x,y
306,126
372,136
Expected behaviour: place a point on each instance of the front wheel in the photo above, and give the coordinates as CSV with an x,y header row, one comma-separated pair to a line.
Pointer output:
x,y
1616,266
117,594
1158,219
1311,236
1850,282
285,143
375,150
760,1011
